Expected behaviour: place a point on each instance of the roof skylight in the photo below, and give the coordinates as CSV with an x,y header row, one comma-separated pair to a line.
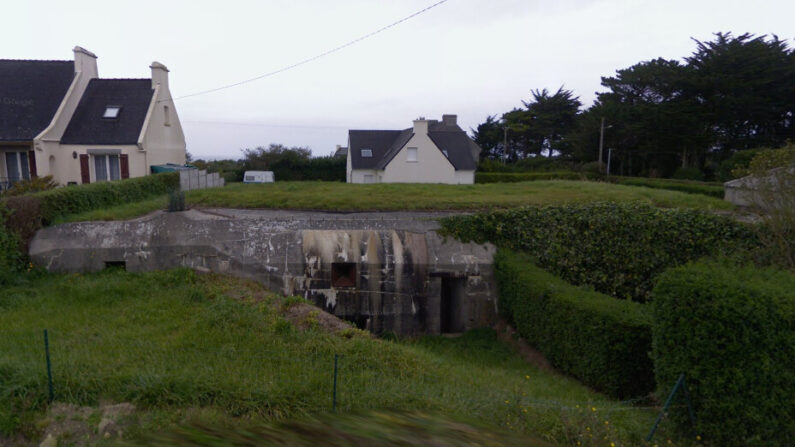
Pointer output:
x,y
367,153
111,112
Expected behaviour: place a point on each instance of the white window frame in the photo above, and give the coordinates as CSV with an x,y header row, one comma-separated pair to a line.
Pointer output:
x,y
20,155
411,155
111,112
367,153
107,167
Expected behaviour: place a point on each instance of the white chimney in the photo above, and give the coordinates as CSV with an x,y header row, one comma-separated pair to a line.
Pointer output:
x,y
159,75
449,120
85,62
421,126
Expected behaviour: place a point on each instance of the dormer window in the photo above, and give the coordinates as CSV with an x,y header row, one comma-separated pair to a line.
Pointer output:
x,y
111,112
367,153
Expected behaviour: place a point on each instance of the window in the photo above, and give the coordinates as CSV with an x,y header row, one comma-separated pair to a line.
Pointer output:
x,y
111,112
367,153
411,154
166,118
343,274
17,166
106,167
369,178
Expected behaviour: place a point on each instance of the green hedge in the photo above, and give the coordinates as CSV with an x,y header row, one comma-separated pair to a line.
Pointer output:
x,y
10,255
601,341
730,330
60,202
512,177
618,249
688,186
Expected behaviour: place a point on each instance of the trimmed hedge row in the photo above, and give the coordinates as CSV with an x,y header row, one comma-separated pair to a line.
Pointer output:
x,y
731,331
618,248
60,202
692,187
10,256
601,341
513,177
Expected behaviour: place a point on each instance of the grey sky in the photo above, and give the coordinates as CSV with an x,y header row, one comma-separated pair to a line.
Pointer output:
x,y
472,58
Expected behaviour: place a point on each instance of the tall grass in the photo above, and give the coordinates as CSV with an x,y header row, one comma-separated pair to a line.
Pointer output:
x,y
172,340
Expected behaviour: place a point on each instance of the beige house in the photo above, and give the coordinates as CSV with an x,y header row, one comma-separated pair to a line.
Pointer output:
x,y
429,152
59,118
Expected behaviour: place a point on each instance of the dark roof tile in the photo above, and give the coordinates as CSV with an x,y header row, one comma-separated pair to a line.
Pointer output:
x,y
87,125
30,94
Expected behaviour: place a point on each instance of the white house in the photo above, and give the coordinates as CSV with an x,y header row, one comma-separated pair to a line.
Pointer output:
x,y
429,152
59,118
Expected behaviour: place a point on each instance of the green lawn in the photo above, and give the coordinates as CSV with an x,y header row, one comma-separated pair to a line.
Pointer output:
x,y
173,342
332,196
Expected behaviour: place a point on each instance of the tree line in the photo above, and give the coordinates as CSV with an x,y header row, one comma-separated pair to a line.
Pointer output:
x,y
661,117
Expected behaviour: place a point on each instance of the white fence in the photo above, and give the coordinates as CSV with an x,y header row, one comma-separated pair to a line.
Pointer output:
x,y
195,179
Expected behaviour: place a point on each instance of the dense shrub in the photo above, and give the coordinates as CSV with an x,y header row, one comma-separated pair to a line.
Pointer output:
x,y
688,173
35,184
533,164
10,256
330,169
512,177
730,330
693,187
617,248
602,341
739,160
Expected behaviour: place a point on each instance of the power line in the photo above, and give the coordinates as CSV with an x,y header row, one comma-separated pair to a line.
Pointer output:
x,y
313,58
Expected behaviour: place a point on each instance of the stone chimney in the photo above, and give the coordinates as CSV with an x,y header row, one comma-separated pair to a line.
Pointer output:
x,y
85,62
449,120
159,75
421,126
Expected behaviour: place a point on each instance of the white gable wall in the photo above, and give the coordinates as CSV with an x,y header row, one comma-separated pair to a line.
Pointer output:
x,y
431,165
162,137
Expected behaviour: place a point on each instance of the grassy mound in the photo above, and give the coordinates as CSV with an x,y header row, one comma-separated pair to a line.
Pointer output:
x,y
171,341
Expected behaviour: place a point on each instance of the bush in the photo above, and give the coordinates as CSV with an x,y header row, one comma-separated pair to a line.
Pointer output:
x,y
618,249
512,177
28,213
739,161
688,173
35,184
602,341
730,330
688,186
10,255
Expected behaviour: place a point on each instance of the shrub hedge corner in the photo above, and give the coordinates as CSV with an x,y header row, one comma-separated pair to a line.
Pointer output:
x,y
601,341
730,330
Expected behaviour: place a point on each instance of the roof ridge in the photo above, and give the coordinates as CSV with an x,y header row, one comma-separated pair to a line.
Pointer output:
x,y
38,60
121,79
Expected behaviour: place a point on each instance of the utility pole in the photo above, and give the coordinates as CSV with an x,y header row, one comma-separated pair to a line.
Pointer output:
x,y
601,142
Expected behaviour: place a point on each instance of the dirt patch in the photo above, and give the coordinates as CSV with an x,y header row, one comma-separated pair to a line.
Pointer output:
x,y
508,334
82,426
306,316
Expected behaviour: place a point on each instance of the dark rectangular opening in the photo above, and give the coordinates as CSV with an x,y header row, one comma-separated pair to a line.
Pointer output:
x,y
343,274
122,265
450,305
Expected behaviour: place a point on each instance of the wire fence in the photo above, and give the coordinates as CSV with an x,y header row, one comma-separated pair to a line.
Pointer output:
x,y
272,380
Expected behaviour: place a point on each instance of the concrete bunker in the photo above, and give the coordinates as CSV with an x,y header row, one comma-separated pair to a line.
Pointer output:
x,y
384,275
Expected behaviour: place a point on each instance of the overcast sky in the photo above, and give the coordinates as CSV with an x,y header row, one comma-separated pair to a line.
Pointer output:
x,y
472,58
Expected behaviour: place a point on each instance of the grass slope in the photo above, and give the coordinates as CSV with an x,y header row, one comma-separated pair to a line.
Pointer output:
x,y
334,196
172,342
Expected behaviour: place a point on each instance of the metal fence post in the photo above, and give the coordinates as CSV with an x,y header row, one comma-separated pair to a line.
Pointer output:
x,y
49,366
679,383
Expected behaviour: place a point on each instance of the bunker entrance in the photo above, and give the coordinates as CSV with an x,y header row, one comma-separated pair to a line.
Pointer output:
x,y
452,305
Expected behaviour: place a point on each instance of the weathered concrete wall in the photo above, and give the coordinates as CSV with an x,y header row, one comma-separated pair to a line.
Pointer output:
x,y
401,264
